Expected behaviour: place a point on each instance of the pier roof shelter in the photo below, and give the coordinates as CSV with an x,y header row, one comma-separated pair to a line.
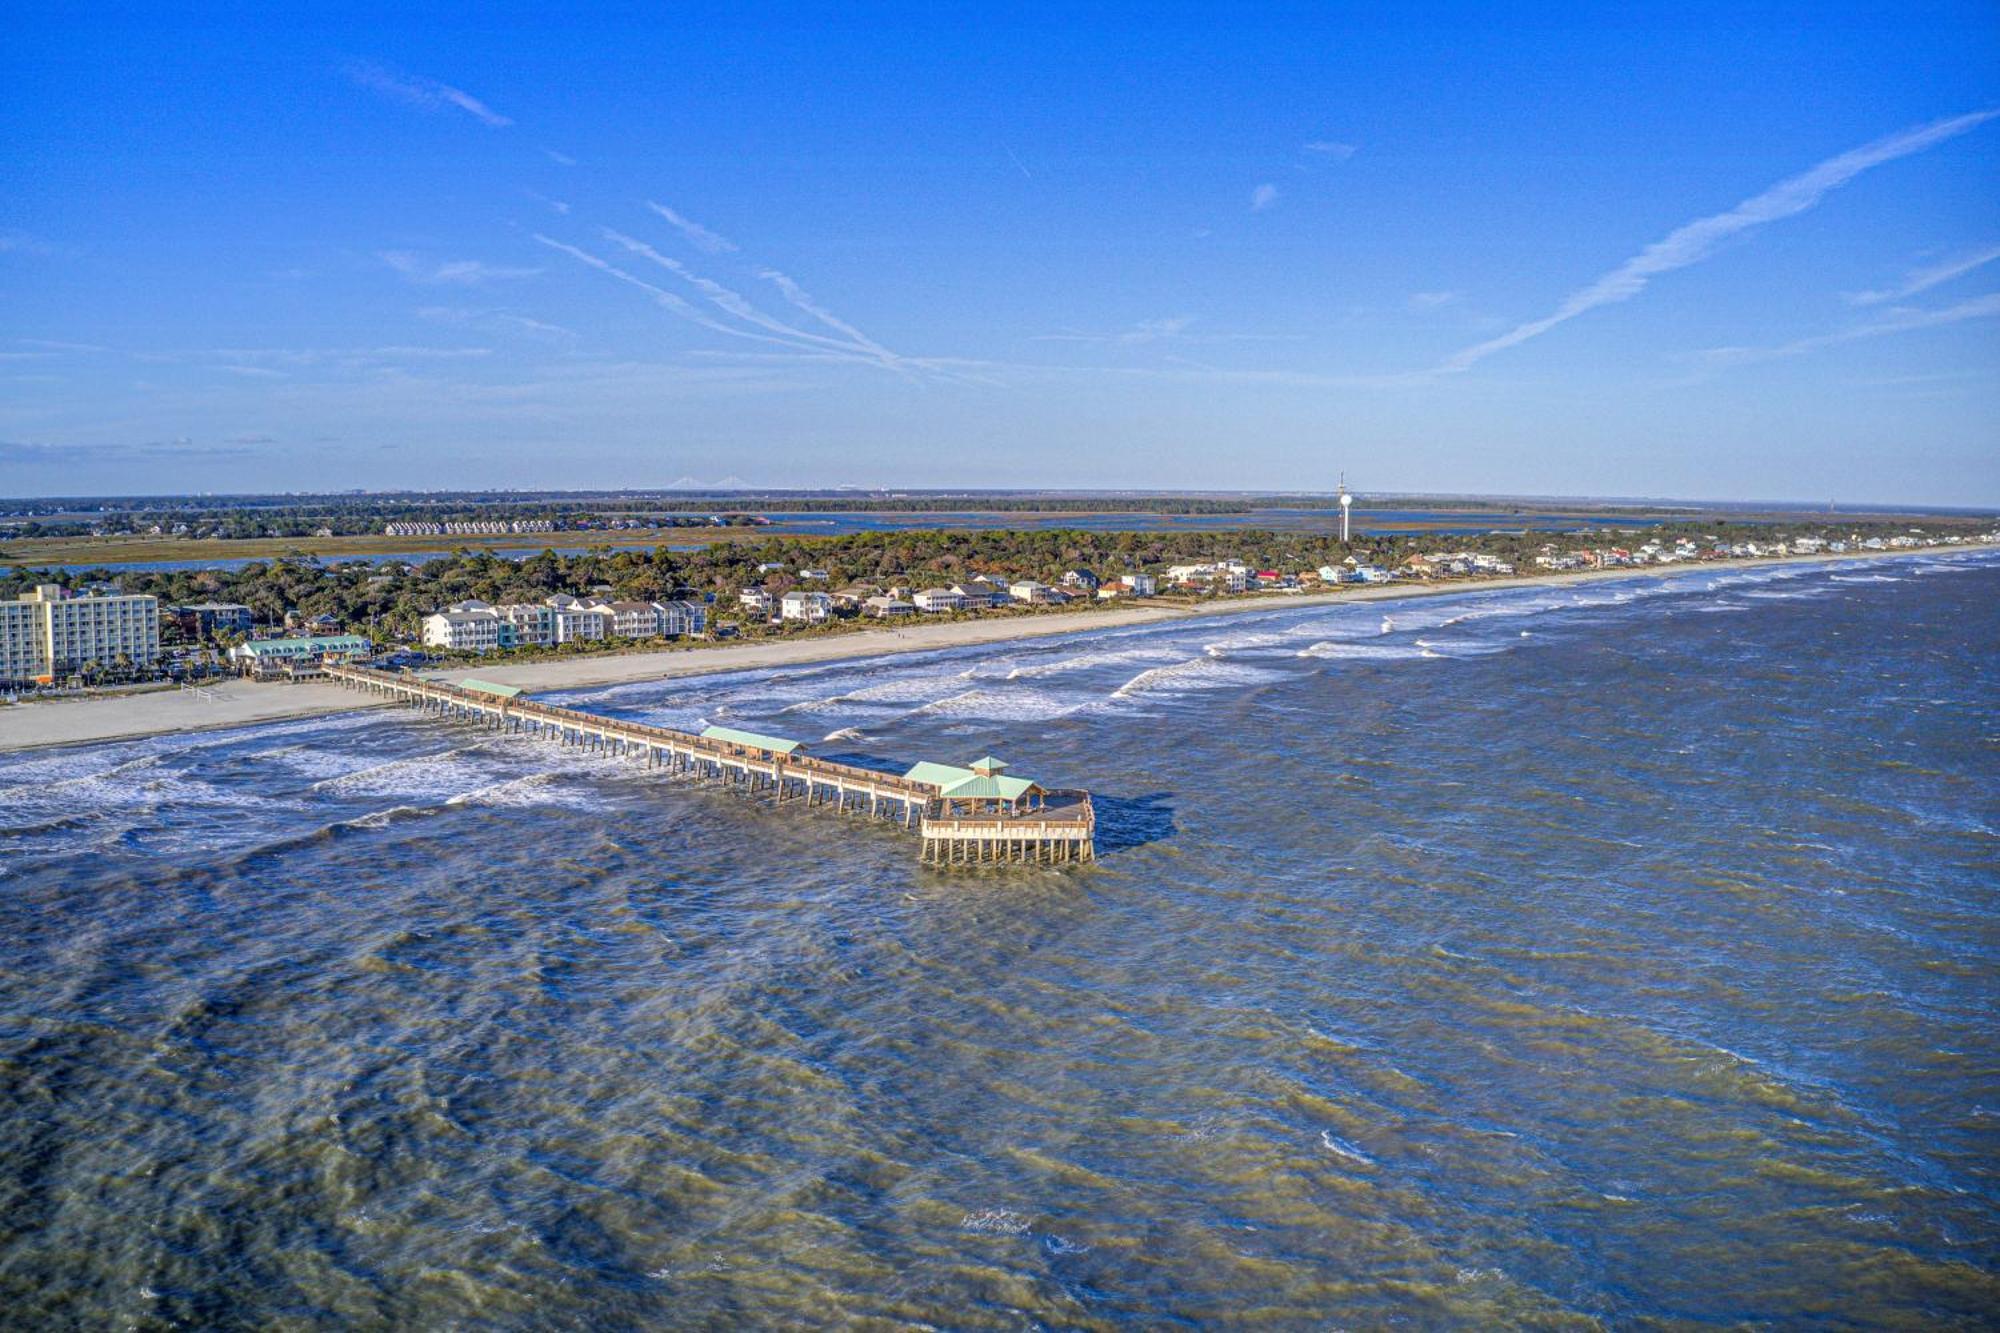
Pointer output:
x,y
770,745
488,687
979,789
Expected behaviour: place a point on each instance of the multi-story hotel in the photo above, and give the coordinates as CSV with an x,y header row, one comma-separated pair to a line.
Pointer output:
x,y
47,633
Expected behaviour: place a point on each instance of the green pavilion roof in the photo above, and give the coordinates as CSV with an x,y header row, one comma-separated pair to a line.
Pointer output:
x,y
982,786
488,687
756,741
964,784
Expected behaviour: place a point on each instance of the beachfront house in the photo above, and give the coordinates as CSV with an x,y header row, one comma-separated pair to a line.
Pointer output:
x,y
982,591
810,608
1142,585
757,601
888,608
935,601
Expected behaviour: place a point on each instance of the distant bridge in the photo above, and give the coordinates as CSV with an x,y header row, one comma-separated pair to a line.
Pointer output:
x,y
977,819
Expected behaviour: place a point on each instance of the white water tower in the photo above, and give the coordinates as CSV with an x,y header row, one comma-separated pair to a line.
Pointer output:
x,y
1346,503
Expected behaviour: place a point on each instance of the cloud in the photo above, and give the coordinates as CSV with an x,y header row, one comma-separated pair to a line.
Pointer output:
x,y
456,272
1923,279
495,321
701,237
40,453
665,299
1339,152
560,159
1263,197
1145,331
429,94
1898,321
1695,241
21,243
1431,300
796,294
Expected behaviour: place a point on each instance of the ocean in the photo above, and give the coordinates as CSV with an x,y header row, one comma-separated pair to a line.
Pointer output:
x,y
1620,952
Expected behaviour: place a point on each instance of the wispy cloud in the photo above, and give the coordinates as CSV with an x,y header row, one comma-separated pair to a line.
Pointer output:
x,y
661,297
1263,197
39,453
21,243
429,94
800,300
701,237
493,321
1923,279
1431,300
1338,152
1145,331
560,159
1898,321
1697,240
454,272
1019,164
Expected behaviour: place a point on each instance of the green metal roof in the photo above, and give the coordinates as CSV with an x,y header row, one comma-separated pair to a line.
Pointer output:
x,y
980,786
988,764
488,687
938,775
963,783
731,736
335,643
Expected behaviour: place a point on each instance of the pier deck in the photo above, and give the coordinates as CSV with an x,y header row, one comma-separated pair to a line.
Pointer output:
x,y
1060,827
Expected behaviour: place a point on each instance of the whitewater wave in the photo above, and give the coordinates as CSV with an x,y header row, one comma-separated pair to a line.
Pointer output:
x,y
1365,652
1014,705
1342,1148
1196,674
1461,647
530,790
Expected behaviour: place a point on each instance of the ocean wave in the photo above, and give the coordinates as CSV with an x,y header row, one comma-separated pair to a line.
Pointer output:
x,y
531,789
1342,1148
999,705
1360,652
1461,647
1196,674
413,772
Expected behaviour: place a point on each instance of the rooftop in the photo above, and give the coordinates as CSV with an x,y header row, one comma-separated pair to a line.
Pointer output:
x,y
755,740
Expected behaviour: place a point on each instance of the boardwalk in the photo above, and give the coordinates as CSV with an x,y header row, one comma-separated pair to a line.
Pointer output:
x,y
1044,826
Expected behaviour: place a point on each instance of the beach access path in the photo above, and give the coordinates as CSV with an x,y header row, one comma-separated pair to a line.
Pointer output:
x,y
241,703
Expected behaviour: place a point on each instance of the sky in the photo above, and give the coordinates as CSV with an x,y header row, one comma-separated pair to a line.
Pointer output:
x,y
1711,252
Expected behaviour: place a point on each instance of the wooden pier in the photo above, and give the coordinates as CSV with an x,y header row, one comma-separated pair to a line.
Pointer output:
x,y
963,816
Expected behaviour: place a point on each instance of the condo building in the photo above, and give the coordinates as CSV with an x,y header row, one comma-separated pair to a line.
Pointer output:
x,y
480,627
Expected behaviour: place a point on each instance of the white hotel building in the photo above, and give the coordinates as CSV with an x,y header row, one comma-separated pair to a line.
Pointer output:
x,y
47,633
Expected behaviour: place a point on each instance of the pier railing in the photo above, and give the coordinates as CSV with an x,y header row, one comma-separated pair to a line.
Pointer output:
x,y
1061,829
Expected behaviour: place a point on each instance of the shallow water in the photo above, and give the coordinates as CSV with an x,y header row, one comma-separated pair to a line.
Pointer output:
x,y
1622,952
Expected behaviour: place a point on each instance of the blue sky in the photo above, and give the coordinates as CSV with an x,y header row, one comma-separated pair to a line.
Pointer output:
x,y
1721,252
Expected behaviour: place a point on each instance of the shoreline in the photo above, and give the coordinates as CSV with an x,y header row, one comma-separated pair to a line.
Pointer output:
x,y
240,703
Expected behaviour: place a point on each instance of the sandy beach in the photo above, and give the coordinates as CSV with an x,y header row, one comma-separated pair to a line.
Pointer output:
x,y
240,703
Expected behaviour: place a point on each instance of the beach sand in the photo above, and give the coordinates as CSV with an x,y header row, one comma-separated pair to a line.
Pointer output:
x,y
240,703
